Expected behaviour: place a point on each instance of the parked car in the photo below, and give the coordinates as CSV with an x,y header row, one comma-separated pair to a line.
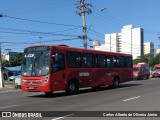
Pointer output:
x,y
141,71
156,71
12,78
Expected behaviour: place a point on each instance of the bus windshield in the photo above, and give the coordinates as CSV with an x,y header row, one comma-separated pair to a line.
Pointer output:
x,y
36,63
156,68
136,69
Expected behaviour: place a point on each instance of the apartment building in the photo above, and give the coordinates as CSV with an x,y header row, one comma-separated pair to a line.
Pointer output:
x,y
130,40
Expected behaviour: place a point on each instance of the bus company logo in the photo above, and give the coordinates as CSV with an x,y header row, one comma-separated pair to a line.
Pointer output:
x,y
33,73
6,114
84,74
112,74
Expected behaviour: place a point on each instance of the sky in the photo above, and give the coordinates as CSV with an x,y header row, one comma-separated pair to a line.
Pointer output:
x,y
29,22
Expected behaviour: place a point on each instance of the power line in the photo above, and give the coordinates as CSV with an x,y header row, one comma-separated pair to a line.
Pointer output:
x,y
36,21
117,22
20,31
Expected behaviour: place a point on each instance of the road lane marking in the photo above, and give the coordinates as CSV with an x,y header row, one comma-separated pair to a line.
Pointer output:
x,y
131,98
62,117
9,106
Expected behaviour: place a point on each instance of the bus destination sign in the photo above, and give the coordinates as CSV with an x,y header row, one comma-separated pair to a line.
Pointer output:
x,y
37,49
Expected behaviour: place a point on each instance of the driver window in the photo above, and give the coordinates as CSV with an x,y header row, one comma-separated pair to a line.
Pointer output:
x,y
58,62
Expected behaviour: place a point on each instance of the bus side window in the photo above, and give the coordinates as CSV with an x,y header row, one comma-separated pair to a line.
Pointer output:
x,y
58,62
111,61
101,61
121,63
88,60
128,62
73,59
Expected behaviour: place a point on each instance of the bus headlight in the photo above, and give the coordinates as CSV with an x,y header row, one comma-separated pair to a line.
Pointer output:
x,y
46,79
135,75
23,81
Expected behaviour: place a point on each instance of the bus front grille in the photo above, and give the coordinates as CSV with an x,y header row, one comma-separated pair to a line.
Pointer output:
x,y
33,83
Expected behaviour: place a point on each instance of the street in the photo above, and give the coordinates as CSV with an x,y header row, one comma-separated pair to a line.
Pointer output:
x,y
140,95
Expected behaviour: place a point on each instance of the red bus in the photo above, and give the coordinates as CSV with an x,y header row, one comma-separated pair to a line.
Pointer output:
x,y
141,71
156,71
49,68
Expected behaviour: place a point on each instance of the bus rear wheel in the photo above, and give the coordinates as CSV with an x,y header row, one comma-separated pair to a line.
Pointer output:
x,y
73,87
116,83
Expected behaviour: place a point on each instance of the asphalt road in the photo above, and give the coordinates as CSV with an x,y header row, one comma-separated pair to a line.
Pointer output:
x,y
142,95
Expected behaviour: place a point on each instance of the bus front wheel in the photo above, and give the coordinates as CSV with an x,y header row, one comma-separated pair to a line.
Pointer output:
x,y
73,87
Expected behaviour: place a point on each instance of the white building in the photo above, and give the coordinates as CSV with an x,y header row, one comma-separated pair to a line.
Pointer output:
x,y
157,50
149,48
5,56
129,41
96,43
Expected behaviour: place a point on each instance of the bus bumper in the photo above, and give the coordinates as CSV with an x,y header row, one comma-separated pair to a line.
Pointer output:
x,y
41,88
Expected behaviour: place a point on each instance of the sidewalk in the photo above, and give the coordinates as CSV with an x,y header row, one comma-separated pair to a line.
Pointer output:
x,y
8,87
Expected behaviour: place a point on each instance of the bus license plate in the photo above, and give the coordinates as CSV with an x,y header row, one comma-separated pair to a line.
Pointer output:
x,y
31,88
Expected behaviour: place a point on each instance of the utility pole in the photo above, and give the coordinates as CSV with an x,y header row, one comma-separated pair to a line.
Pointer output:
x,y
1,75
84,9
1,66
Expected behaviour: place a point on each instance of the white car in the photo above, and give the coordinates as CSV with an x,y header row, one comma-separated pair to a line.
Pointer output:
x,y
12,78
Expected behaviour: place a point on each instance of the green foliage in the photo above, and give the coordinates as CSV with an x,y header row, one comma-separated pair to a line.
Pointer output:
x,y
16,61
147,58
4,62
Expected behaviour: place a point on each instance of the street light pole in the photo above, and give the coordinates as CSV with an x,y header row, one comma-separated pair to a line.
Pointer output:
x,y
103,9
1,76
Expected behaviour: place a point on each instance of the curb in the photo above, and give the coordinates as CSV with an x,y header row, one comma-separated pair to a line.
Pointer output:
x,y
8,88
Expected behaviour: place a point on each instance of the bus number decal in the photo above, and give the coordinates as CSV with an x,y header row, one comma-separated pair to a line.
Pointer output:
x,y
112,74
29,55
81,74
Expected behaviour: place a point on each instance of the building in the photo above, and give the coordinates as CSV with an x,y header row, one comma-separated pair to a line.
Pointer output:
x,y
157,50
96,43
129,40
149,48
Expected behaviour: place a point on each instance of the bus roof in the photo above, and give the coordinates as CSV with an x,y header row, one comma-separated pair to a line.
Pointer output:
x,y
65,47
88,50
157,65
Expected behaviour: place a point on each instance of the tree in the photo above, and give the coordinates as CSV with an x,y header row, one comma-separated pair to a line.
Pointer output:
x,y
5,62
148,58
16,61
144,58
